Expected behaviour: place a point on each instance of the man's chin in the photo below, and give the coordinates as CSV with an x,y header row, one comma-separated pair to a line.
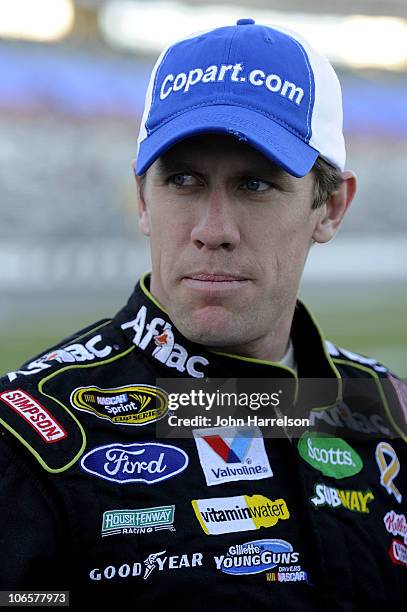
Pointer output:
x,y
212,326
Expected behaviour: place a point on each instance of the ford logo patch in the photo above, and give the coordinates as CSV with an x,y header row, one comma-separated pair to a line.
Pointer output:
x,y
148,462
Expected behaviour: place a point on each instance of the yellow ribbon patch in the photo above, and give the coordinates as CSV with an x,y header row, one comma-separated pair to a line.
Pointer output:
x,y
388,469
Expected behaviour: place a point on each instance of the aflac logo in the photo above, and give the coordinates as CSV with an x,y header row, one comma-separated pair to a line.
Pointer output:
x,y
69,354
126,463
166,350
331,456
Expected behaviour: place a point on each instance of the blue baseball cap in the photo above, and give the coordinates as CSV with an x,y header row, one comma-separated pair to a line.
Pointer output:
x,y
261,84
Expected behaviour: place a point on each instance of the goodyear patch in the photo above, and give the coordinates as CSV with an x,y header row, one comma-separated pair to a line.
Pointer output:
x,y
128,405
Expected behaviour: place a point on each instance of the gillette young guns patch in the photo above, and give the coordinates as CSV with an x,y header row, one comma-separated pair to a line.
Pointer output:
x,y
232,453
260,556
128,405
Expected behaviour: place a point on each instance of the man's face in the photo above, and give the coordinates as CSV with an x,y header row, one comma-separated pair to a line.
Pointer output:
x,y
230,233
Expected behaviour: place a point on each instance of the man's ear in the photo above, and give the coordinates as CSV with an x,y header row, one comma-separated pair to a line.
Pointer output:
x,y
334,209
143,213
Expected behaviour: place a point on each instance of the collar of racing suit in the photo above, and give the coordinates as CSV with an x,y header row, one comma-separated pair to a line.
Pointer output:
x,y
316,385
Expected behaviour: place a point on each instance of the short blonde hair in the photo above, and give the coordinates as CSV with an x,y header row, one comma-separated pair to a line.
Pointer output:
x,y
327,179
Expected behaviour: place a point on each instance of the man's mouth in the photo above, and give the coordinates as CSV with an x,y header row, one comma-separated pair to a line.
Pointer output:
x,y
217,277
214,282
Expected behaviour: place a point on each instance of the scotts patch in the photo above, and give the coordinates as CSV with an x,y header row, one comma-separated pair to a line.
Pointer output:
x,y
149,462
331,456
241,513
142,520
356,501
93,348
130,405
35,414
159,333
260,556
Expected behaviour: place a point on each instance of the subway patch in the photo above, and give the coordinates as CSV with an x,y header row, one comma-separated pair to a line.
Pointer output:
x,y
355,501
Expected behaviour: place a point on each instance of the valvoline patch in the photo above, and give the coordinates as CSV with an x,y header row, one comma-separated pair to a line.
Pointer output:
x,y
148,462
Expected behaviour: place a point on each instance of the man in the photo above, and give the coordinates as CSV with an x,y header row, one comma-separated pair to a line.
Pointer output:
x,y
240,169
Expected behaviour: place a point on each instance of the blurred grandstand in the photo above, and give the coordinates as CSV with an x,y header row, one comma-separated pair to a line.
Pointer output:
x,y
71,98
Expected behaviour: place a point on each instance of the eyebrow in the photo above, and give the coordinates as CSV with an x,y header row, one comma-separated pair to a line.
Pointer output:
x,y
167,165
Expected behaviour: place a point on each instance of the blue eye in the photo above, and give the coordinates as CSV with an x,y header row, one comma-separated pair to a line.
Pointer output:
x,y
256,185
182,180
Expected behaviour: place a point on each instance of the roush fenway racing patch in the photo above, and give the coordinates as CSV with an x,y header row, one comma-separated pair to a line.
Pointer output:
x,y
35,414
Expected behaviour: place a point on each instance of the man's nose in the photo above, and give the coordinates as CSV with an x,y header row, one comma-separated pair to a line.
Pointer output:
x,y
217,224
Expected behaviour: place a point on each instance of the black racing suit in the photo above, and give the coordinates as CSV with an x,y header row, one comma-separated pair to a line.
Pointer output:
x,y
93,502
